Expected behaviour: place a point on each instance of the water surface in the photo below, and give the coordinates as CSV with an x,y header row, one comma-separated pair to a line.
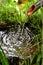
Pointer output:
x,y
14,41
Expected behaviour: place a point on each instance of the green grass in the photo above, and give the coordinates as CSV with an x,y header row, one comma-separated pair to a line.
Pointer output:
x,y
3,58
11,12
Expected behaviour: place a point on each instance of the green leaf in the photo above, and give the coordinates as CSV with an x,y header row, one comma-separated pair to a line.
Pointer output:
x,y
38,59
3,58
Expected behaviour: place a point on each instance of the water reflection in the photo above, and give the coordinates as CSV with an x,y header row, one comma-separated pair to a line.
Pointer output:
x,y
13,43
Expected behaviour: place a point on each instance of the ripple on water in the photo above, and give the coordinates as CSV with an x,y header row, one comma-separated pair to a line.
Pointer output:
x,y
13,43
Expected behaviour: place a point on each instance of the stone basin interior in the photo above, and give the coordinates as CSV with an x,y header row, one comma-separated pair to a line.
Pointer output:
x,y
15,41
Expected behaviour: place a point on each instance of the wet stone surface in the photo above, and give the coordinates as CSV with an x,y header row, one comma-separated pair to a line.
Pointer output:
x,y
14,41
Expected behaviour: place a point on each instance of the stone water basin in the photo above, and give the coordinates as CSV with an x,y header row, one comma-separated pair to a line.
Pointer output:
x,y
14,41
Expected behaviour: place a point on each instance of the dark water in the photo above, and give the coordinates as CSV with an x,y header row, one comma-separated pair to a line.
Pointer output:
x,y
14,40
